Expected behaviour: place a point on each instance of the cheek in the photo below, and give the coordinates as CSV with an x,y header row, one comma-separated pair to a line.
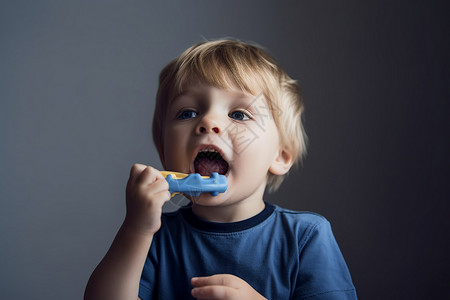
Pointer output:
x,y
255,159
176,160
170,149
263,145
175,150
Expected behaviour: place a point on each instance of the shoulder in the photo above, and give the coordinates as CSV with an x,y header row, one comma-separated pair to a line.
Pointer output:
x,y
302,219
304,225
299,216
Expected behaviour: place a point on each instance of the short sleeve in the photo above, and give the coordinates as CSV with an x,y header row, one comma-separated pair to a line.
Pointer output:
x,y
323,273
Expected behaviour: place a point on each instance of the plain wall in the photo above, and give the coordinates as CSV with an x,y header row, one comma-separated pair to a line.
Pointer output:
x,y
77,87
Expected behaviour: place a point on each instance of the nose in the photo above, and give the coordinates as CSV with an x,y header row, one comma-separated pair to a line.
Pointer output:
x,y
209,124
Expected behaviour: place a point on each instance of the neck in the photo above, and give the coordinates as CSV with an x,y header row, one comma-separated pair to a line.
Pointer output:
x,y
232,212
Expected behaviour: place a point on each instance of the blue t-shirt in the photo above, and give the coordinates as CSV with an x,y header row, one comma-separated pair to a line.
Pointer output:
x,y
282,254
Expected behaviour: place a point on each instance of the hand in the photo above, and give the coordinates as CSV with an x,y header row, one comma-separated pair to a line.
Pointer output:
x,y
146,192
223,287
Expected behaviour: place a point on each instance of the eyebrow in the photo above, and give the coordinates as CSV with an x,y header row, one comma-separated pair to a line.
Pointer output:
x,y
237,96
184,93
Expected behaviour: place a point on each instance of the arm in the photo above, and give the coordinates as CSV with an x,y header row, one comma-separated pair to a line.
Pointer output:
x,y
118,274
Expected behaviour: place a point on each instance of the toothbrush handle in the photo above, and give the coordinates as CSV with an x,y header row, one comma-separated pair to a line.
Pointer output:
x,y
194,184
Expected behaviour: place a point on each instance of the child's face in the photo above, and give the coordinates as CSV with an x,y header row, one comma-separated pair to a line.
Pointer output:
x,y
237,125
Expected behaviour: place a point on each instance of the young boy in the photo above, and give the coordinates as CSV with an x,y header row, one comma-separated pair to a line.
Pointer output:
x,y
223,106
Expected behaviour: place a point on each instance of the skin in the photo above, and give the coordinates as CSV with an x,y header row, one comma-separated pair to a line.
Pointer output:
x,y
230,120
203,115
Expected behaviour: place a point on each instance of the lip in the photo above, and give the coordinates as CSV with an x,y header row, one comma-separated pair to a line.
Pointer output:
x,y
208,147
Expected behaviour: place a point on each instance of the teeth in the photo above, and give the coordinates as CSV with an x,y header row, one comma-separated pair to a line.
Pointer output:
x,y
208,150
210,153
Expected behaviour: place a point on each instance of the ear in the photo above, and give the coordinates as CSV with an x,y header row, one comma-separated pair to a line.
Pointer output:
x,y
282,162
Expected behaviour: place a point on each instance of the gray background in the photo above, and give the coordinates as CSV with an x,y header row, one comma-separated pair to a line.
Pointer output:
x,y
77,87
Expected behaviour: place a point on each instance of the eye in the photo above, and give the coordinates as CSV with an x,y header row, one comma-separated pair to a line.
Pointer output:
x,y
239,115
187,114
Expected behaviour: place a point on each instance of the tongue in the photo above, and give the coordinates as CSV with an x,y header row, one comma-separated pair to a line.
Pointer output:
x,y
206,166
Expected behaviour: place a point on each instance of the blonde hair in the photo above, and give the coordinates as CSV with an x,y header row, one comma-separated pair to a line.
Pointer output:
x,y
227,62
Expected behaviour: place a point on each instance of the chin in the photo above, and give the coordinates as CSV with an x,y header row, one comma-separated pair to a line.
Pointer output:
x,y
207,199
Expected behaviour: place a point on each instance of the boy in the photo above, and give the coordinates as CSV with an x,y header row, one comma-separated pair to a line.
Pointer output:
x,y
223,106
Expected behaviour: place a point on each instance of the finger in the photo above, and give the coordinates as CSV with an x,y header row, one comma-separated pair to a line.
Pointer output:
x,y
135,171
147,176
214,292
218,279
158,186
164,196
155,174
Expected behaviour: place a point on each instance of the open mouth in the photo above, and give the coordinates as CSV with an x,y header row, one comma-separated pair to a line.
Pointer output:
x,y
209,161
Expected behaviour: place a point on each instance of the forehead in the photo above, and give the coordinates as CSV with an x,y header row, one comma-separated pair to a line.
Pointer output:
x,y
202,91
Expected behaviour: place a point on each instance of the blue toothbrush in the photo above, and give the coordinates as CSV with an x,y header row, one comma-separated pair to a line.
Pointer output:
x,y
195,184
